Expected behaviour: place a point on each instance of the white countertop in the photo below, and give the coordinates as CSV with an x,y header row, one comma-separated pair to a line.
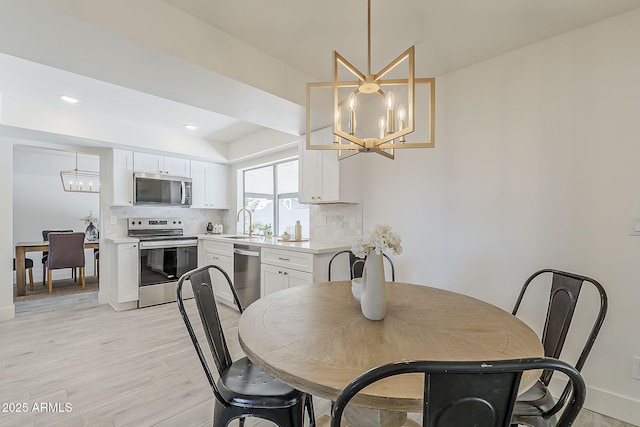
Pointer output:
x,y
314,247
124,239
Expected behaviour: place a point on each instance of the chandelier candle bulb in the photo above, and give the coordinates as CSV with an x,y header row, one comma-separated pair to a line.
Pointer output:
x,y
389,101
382,124
353,104
402,115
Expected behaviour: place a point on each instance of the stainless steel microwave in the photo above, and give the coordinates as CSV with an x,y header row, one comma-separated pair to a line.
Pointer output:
x,y
161,190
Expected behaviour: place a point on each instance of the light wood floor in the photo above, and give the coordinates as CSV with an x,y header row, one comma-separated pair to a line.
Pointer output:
x,y
133,368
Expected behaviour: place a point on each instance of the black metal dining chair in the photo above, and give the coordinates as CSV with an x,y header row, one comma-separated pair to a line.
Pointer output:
x,y
356,264
537,405
467,393
242,390
96,262
28,265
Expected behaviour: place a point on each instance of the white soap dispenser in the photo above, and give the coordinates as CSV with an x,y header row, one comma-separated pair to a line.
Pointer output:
x,y
298,231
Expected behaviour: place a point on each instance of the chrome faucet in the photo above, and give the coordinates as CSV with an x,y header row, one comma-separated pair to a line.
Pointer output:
x,y
250,220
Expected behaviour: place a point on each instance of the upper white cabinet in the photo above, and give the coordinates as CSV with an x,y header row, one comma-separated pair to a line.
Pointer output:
x,y
166,165
324,179
209,185
122,189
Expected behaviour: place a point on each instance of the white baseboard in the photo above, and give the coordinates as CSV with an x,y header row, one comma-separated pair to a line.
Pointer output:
x,y
123,306
613,405
103,297
8,313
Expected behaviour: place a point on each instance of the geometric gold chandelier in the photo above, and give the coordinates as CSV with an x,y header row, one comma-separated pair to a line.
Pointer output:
x,y
80,181
373,113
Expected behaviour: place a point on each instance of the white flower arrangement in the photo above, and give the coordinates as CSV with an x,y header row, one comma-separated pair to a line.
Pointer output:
x,y
90,219
379,239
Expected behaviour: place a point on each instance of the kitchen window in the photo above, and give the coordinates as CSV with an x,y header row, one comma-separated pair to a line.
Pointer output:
x,y
270,192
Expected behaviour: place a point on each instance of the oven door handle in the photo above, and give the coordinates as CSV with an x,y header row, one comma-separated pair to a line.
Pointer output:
x,y
170,244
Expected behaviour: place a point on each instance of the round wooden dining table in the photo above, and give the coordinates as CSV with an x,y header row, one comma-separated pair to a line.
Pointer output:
x,y
315,338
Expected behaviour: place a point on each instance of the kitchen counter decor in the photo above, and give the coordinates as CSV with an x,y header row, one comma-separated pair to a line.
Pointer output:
x,y
91,233
373,300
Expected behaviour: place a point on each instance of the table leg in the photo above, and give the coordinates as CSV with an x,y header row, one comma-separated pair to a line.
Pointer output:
x,y
357,415
325,421
20,272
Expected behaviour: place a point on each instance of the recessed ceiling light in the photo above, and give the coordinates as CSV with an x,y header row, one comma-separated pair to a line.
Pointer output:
x,y
69,99
190,126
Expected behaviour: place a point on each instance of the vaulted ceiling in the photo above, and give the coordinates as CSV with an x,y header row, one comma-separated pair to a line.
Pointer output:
x,y
236,69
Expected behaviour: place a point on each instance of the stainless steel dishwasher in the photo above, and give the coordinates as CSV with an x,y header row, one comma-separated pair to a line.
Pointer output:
x,y
246,273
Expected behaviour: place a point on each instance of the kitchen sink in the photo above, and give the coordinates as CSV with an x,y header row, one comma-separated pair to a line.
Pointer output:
x,y
243,237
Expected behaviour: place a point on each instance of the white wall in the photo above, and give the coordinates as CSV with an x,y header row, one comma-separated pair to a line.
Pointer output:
x,y
7,308
535,166
40,203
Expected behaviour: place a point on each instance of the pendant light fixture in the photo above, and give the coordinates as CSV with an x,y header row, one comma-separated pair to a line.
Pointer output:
x,y
373,112
80,181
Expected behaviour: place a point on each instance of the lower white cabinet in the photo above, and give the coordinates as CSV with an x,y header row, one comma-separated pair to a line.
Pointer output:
x,y
274,279
123,269
220,254
282,269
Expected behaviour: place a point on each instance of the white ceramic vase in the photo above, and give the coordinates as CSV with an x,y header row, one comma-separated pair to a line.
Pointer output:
x,y
373,298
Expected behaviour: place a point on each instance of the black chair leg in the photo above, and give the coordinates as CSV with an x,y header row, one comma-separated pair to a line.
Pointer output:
x,y
309,406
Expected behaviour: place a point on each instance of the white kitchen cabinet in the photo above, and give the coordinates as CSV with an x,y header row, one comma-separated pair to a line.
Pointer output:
x,y
176,166
158,164
123,265
209,185
274,279
324,179
220,254
282,269
122,173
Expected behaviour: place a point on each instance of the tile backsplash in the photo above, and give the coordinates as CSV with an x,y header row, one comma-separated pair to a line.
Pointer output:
x,y
328,222
340,222
195,220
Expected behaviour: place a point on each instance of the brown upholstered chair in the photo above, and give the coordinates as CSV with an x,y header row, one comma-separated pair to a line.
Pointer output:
x,y
66,250
45,255
28,264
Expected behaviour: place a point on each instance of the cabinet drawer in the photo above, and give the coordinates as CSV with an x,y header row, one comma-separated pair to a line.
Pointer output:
x,y
289,259
218,259
218,247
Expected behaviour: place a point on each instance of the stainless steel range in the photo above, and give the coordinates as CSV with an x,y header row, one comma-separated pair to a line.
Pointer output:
x,y
165,255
